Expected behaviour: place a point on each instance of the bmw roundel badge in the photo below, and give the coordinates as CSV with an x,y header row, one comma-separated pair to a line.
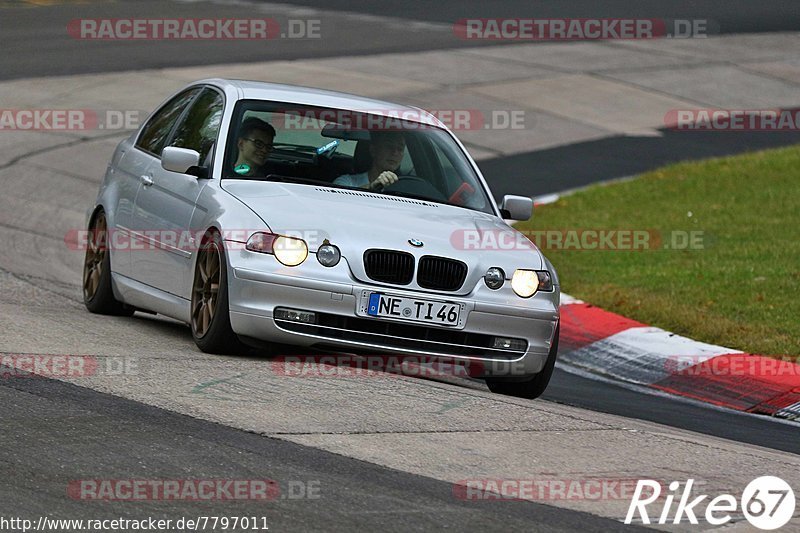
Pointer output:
x,y
415,242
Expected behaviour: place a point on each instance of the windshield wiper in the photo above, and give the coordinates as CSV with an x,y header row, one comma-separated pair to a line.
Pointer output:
x,y
429,199
414,196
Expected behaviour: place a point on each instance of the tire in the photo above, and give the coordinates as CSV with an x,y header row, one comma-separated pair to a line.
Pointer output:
x,y
98,296
210,311
534,387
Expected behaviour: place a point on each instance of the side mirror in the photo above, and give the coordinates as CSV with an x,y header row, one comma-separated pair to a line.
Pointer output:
x,y
516,207
180,160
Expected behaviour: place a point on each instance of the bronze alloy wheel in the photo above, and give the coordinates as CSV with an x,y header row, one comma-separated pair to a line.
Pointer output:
x,y
205,288
98,293
95,259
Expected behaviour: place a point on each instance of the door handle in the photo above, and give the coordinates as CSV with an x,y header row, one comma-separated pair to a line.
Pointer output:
x,y
146,180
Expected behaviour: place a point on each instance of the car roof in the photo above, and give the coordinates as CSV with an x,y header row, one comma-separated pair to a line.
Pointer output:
x,y
296,94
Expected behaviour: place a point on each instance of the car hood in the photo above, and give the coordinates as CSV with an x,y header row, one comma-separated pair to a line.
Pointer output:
x,y
356,221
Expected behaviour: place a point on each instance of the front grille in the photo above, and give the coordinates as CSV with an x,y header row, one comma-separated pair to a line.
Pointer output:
x,y
389,266
440,273
392,335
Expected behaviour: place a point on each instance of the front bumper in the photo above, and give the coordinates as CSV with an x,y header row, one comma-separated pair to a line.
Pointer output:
x,y
259,285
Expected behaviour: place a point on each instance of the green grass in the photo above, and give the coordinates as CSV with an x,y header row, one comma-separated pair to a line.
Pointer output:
x,y
741,289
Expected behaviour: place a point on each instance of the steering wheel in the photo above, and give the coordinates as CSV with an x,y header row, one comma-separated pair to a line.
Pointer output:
x,y
416,185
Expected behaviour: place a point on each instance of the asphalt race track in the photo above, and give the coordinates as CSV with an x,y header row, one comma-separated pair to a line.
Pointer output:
x,y
37,45
384,451
129,440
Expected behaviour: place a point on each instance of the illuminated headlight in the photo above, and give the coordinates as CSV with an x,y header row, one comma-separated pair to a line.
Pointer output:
x,y
526,282
328,255
494,278
288,250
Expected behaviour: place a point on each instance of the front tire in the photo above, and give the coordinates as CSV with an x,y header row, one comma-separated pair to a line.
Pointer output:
x,y
210,312
98,296
534,387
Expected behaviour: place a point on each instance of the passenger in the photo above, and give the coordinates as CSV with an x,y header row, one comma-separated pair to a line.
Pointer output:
x,y
386,149
254,142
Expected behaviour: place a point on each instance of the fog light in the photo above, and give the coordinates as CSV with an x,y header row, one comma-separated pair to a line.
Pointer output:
x,y
328,255
295,315
494,278
505,343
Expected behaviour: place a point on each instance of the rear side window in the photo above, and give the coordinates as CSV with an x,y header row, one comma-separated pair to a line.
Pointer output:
x,y
156,132
200,126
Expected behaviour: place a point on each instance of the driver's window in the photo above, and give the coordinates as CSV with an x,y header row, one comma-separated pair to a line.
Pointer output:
x,y
200,126
155,133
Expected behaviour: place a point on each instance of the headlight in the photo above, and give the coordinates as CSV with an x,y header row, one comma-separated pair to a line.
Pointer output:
x,y
261,242
545,280
288,250
328,255
494,278
526,282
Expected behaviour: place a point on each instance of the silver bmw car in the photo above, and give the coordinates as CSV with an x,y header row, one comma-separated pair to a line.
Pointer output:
x,y
261,213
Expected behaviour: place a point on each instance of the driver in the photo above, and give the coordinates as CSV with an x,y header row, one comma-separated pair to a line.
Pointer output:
x,y
254,143
387,149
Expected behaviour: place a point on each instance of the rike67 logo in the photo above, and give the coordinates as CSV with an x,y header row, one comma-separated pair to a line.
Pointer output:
x,y
767,503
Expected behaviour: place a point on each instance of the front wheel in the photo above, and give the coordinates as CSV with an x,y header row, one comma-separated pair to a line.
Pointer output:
x,y
531,388
210,320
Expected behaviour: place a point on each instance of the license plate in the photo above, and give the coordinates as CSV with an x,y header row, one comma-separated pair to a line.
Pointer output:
x,y
413,309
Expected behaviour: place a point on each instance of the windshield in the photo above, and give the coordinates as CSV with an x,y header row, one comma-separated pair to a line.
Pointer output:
x,y
339,148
